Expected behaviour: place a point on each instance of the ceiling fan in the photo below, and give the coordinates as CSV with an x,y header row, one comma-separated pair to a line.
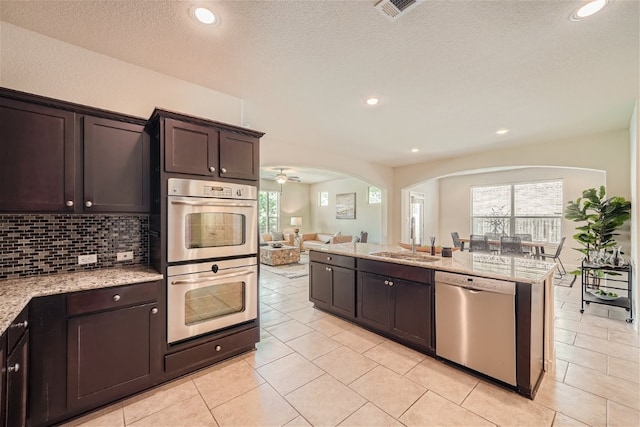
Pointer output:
x,y
281,178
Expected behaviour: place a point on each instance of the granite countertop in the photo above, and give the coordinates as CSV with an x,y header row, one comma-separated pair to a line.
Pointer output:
x,y
15,294
524,270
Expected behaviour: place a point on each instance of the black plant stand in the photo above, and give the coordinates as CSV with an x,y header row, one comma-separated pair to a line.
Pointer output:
x,y
617,278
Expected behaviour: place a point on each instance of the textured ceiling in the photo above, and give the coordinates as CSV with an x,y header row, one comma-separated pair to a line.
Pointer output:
x,y
450,73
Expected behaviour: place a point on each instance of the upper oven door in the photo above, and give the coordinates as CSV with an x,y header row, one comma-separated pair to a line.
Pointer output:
x,y
202,228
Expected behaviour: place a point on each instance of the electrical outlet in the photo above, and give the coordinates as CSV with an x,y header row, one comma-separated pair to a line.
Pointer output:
x,y
124,256
87,259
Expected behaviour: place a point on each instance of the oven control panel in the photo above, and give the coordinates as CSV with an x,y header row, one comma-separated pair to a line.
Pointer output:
x,y
212,189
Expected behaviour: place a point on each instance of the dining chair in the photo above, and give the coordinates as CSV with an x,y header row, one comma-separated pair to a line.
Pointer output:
x,y
556,257
456,239
526,237
511,245
478,243
493,236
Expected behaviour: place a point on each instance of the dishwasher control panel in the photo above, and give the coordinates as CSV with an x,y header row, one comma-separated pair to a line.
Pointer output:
x,y
477,283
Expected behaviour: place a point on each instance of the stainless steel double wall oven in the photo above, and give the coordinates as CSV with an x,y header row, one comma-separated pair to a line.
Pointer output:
x,y
212,272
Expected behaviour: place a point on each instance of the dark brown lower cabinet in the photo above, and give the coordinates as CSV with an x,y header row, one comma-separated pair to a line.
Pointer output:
x,y
332,287
17,383
397,307
112,354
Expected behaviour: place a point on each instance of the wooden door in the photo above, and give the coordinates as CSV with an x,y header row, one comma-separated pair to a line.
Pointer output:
x,y
239,156
373,300
116,166
37,162
190,148
320,285
17,377
112,354
343,292
412,312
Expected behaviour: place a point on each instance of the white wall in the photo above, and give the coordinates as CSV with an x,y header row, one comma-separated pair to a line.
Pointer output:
x,y
634,139
368,217
608,152
455,203
294,201
45,66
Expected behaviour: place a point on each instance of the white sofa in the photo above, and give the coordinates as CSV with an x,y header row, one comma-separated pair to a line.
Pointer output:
x,y
315,240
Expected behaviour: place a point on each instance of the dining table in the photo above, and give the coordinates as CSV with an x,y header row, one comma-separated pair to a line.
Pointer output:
x,y
538,247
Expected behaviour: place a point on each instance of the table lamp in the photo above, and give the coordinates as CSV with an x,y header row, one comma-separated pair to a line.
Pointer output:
x,y
296,221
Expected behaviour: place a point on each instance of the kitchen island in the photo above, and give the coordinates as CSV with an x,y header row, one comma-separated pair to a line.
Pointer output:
x,y
392,292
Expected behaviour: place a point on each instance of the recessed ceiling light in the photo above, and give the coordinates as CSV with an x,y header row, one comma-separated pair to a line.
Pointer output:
x,y
415,150
502,131
588,9
205,16
373,100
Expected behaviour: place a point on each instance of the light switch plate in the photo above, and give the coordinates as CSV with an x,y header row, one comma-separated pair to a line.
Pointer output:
x,y
87,259
124,256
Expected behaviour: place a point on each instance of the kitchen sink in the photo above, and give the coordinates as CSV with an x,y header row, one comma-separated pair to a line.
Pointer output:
x,y
409,256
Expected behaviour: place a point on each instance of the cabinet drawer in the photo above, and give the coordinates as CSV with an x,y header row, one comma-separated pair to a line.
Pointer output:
x,y
109,298
17,329
390,269
333,259
211,352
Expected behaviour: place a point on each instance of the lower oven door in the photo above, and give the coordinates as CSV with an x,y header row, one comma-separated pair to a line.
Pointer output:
x,y
203,302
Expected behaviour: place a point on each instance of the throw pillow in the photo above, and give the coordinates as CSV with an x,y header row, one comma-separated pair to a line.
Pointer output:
x,y
277,235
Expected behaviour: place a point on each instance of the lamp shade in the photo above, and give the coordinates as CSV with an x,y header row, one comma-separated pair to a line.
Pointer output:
x,y
296,220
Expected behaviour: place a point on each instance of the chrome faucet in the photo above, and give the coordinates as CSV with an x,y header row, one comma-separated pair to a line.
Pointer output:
x,y
412,232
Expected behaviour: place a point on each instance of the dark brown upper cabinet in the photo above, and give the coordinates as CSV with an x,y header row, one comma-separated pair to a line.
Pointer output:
x,y
190,148
64,157
239,156
200,147
37,167
116,166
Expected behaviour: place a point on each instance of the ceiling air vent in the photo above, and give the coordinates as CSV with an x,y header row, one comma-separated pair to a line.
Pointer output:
x,y
393,9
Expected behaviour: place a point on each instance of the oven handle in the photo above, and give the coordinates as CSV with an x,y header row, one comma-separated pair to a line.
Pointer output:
x,y
221,204
209,279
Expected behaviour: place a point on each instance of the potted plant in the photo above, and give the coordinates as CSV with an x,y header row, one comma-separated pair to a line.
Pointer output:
x,y
602,217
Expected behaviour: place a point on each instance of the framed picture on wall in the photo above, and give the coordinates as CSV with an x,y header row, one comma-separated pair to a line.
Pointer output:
x,y
346,206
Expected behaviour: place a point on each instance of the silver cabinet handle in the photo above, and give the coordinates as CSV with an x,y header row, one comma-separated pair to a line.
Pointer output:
x,y
69,203
328,258
218,348
390,283
386,282
224,170
220,204
116,297
20,325
327,269
154,310
88,203
14,368
212,169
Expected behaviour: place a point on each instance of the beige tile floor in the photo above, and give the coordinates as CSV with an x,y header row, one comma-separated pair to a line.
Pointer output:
x,y
311,368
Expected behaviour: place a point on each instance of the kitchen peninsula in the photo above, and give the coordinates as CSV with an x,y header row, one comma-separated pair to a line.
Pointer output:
x,y
402,296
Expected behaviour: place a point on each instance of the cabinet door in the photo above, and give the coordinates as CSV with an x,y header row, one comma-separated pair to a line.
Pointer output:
x,y
116,166
112,354
37,161
343,292
3,378
373,300
412,311
239,156
320,285
17,369
190,148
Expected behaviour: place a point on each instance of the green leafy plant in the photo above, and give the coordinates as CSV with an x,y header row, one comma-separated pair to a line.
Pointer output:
x,y
602,217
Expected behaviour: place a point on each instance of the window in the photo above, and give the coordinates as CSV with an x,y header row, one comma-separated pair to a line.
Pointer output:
x,y
375,195
268,211
323,198
526,208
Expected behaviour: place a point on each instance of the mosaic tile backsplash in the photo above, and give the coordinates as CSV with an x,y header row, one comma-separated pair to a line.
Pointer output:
x,y
47,244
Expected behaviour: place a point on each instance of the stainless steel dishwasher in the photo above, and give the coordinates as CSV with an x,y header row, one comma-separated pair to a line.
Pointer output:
x,y
475,324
